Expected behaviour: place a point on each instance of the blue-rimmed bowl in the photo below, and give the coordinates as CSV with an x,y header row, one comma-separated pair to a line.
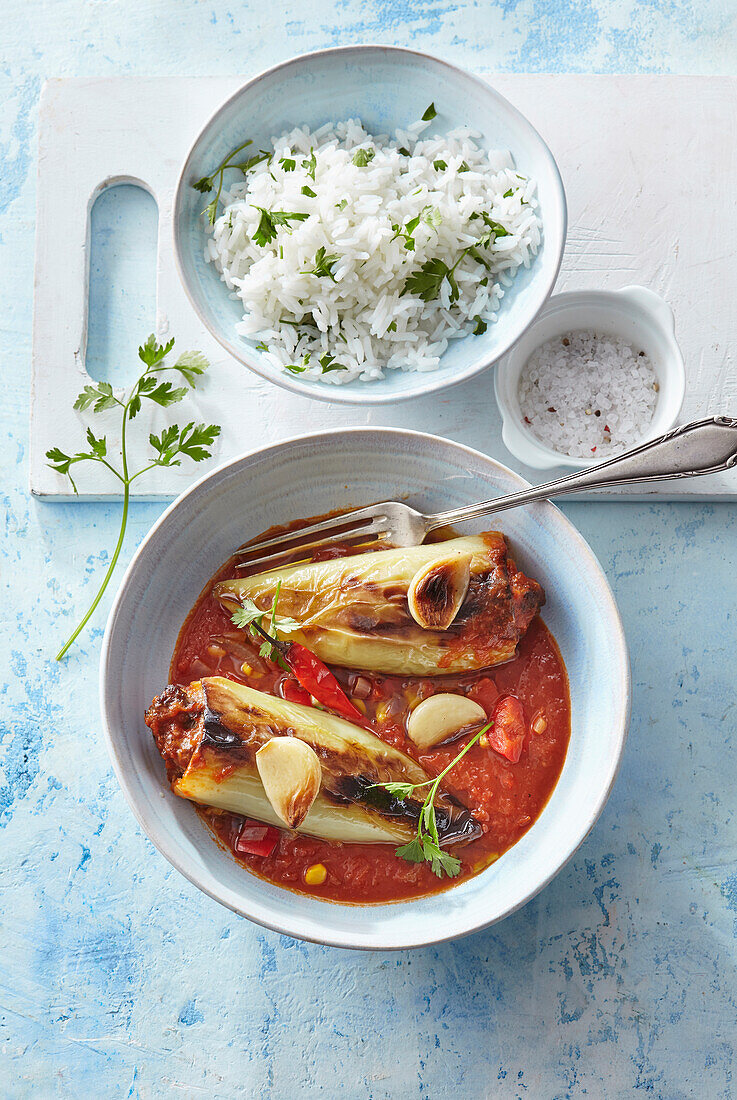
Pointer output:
x,y
386,88
312,475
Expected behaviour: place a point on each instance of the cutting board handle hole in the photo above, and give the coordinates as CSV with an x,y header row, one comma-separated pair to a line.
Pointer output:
x,y
123,229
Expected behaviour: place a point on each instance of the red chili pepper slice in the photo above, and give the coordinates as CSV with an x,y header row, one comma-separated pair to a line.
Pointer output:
x,y
318,680
507,735
256,839
293,692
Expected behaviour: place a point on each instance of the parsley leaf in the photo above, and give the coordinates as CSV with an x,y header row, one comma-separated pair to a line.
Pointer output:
x,y
432,216
165,394
294,369
481,326
310,164
426,282
191,441
404,151
412,852
497,229
152,352
430,113
323,265
309,192
463,167
288,164
266,228
508,194
248,613
362,157
407,232
439,165
327,362
101,396
191,365
401,791
342,204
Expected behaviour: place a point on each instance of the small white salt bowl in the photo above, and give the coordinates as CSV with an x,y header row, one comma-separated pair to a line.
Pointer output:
x,y
635,314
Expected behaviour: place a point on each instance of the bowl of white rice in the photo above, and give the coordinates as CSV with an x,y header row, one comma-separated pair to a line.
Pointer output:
x,y
598,373
368,224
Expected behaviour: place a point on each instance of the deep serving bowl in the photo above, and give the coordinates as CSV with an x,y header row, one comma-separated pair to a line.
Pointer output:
x,y
386,88
315,474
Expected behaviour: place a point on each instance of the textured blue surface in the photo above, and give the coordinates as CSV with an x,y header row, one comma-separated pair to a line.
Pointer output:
x,y
118,979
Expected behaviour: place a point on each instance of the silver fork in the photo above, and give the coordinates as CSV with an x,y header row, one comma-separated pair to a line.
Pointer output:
x,y
701,447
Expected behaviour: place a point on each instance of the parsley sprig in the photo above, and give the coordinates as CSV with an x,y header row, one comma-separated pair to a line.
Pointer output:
x,y
425,847
248,614
207,183
427,281
266,229
192,441
406,232
362,157
324,265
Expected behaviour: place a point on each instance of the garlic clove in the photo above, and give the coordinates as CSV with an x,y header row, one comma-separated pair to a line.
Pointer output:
x,y
437,590
291,775
442,717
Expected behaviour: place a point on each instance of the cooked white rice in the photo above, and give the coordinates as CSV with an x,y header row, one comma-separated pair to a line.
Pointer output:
x,y
359,316
588,396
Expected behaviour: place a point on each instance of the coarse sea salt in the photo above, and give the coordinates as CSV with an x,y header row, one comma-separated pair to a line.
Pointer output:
x,y
588,395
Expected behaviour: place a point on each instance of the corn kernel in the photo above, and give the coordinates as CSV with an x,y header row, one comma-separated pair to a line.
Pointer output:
x,y
216,650
316,874
381,712
359,704
246,669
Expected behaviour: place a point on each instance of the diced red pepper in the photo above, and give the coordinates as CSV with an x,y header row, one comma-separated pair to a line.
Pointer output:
x,y
318,680
507,735
256,839
485,693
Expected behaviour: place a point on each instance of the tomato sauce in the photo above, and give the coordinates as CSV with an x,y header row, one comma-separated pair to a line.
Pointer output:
x,y
505,798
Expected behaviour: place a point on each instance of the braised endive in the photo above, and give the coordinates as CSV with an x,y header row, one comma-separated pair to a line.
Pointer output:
x,y
365,611
210,732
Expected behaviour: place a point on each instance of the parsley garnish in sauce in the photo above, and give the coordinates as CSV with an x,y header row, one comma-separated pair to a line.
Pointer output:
x,y
425,847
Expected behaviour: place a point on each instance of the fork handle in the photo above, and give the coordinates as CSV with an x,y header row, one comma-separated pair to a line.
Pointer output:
x,y
701,447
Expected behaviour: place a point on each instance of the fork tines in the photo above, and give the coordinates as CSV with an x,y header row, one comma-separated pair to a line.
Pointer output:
x,y
362,526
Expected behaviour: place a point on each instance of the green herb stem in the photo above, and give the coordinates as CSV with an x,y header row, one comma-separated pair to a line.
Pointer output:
x,y
191,441
106,579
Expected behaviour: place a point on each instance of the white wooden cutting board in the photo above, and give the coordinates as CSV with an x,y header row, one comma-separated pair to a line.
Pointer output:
x,y
649,165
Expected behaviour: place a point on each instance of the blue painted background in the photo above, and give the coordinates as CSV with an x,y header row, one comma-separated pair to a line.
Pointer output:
x,y
118,979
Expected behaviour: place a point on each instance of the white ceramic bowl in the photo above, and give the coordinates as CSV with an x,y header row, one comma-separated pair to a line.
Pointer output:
x,y
635,314
314,474
387,88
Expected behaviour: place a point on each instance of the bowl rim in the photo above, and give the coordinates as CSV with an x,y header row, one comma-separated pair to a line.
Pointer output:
x,y
339,394
355,940
519,440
